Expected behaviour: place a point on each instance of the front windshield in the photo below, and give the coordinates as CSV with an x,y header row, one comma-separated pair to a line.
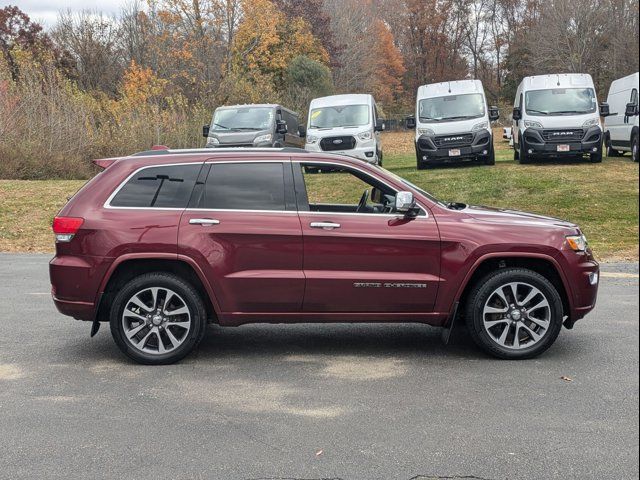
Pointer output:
x,y
339,116
242,118
451,108
560,101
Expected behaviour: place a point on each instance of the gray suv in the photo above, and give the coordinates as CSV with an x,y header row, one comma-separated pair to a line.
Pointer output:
x,y
253,126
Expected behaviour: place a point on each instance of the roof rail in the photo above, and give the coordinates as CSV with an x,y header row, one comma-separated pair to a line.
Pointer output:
x,y
166,151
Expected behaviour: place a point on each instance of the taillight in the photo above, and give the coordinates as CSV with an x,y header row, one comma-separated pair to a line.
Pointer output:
x,y
66,227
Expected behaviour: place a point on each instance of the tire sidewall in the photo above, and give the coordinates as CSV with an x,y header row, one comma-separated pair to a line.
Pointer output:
x,y
487,286
182,288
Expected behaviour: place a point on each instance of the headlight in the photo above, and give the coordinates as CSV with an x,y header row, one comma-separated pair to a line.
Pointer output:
x,y
480,126
312,139
426,131
577,243
213,141
365,135
262,138
532,124
592,122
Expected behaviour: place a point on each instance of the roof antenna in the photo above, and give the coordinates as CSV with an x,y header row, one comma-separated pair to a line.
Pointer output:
x,y
558,80
449,86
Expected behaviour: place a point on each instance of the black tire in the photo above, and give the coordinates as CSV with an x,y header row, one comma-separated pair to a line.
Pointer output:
x,y
479,296
420,164
597,156
193,301
611,152
491,158
523,157
380,159
634,148
516,154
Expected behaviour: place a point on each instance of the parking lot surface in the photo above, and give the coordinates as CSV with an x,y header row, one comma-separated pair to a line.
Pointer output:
x,y
315,401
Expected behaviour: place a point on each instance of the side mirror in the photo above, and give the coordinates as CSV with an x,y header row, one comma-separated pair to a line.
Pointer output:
x,y
376,195
494,113
379,126
406,204
205,131
631,110
302,131
281,127
604,110
410,122
517,113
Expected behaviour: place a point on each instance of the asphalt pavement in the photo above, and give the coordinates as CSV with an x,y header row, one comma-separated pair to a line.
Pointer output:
x,y
349,402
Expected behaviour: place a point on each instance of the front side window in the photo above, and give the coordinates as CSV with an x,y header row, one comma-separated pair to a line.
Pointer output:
x,y
158,187
339,116
333,188
560,101
245,186
451,108
242,119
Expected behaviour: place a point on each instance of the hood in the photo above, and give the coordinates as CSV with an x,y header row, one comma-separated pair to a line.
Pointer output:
x,y
236,137
498,215
452,128
338,131
563,121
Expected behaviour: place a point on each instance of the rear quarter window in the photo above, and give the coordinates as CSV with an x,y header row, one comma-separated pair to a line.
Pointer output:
x,y
158,187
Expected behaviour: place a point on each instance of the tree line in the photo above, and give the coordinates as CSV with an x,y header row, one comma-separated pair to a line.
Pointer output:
x,y
95,85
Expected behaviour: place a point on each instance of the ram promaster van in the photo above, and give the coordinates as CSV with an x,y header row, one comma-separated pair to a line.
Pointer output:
x,y
346,125
452,123
253,126
621,125
557,116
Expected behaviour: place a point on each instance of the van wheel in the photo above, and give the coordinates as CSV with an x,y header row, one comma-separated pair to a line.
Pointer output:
x,y
524,156
597,156
611,152
157,319
634,148
516,154
491,158
514,313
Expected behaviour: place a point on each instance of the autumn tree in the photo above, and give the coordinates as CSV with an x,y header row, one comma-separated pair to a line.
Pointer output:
x,y
387,84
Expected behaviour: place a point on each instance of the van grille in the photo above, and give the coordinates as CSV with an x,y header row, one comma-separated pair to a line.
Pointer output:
x,y
330,144
562,136
445,141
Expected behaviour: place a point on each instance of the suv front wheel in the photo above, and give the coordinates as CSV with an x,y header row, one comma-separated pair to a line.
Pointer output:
x,y
157,319
514,313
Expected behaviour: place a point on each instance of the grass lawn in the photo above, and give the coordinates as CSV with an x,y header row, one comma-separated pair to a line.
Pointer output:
x,y
601,198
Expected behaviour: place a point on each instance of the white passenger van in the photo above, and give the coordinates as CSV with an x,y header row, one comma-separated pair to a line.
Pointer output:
x,y
621,125
347,125
453,123
557,116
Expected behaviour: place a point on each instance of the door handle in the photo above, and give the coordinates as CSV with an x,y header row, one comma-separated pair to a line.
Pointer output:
x,y
203,221
324,225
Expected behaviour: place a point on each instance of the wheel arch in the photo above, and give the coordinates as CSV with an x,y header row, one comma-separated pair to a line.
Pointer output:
x,y
542,264
126,268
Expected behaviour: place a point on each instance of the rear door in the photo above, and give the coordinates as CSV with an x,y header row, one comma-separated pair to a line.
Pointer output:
x,y
243,230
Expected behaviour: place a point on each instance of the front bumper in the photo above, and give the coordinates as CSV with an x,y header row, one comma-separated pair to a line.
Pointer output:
x,y
591,142
428,152
366,153
583,277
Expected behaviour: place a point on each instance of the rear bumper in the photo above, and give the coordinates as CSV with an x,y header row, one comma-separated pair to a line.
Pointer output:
x,y
591,143
428,152
75,284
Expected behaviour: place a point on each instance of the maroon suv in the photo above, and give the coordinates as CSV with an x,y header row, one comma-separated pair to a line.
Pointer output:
x,y
163,242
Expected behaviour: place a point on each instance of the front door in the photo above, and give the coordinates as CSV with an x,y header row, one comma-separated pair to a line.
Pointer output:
x,y
360,256
243,230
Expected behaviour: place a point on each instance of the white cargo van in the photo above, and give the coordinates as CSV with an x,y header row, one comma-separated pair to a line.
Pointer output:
x,y
345,124
452,123
621,125
557,116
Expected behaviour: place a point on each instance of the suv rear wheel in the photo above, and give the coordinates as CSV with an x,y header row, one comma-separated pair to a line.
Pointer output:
x,y
157,319
514,314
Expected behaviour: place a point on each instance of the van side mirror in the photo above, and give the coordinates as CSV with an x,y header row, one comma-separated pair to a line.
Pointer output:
x,y
302,131
405,203
517,113
205,131
494,113
410,122
631,110
281,127
604,110
379,126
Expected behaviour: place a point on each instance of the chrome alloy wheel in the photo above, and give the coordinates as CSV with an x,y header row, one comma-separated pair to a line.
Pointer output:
x,y
156,320
516,315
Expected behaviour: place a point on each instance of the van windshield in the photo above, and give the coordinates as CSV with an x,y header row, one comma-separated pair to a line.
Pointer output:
x,y
339,116
451,108
242,118
560,101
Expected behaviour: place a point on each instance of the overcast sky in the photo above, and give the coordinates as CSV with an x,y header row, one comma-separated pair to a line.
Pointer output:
x,y
46,11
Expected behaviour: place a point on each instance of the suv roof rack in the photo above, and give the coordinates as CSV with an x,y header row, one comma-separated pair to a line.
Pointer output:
x,y
186,151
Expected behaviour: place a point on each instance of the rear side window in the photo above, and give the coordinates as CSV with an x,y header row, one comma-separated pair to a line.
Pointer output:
x,y
159,187
245,186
